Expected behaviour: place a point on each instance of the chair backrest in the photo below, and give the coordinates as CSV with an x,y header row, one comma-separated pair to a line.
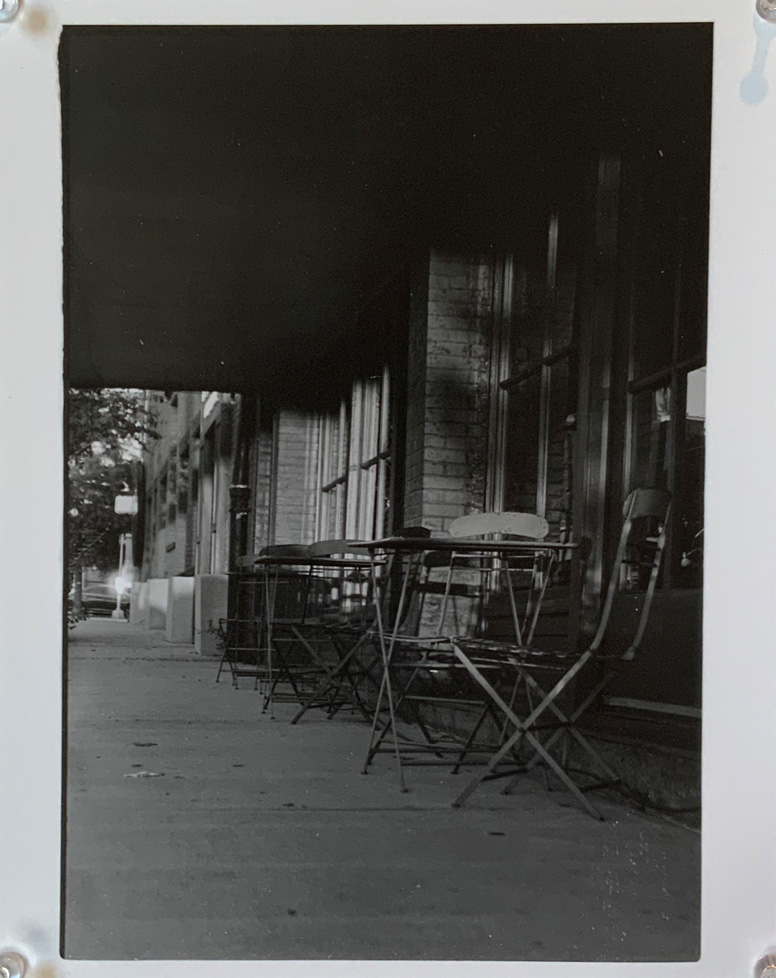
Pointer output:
x,y
511,524
470,577
392,578
285,550
641,504
336,547
421,532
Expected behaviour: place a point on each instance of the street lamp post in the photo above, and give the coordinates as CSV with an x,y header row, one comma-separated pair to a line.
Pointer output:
x,y
125,571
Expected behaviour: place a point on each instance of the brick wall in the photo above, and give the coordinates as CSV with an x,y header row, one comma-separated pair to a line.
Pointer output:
x,y
447,411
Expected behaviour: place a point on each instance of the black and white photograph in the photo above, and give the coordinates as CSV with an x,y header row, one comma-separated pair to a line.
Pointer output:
x,y
384,438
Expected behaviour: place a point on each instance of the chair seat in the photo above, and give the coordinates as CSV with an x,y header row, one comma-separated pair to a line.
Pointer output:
x,y
493,651
418,641
429,655
345,625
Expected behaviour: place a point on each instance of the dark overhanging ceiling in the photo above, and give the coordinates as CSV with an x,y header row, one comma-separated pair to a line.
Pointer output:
x,y
233,196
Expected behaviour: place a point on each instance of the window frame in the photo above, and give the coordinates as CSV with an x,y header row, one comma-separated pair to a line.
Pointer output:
x,y
503,379
352,480
673,377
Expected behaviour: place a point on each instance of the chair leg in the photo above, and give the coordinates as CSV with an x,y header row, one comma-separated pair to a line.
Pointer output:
x,y
404,696
390,724
470,739
566,730
359,675
593,753
522,731
570,723
221,666
332,683
487,709
512,782
223,637
531,685
385,685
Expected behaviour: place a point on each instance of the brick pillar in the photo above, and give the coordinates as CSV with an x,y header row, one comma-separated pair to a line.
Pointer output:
x,y
447,410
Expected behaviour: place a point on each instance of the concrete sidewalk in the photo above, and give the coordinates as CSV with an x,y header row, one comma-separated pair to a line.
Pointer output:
x,y
261,840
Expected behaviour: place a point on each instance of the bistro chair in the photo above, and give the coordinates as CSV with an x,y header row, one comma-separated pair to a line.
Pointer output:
x,y
295,597
335,636
535,569
368,595
422,674
243,636
548,722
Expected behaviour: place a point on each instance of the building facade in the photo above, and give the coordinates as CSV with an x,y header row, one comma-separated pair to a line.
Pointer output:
x,y
551,374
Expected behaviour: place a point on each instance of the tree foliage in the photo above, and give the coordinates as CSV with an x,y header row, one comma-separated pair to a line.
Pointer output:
x,y
94,527
107,421
106,432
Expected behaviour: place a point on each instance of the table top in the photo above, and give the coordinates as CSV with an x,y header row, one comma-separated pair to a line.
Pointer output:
x,y
468,545
311,561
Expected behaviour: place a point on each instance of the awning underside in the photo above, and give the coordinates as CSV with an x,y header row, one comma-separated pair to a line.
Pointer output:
x,y
235,196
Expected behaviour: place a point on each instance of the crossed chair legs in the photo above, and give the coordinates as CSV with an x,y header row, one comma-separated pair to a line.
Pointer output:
x,y
234,647
527,730
339,684
434,748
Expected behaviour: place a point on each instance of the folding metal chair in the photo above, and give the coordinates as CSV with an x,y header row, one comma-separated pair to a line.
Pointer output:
x,y
547,722
420,667
241,637
535,568
293,598
336,636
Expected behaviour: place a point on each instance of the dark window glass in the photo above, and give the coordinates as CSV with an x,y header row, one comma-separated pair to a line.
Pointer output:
x,y
522,446
657,279
688,525
559,449
651,419
528,317
563,313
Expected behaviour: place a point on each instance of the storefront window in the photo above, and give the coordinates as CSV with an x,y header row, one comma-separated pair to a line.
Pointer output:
x,y
667,410
691,464
354,463
666,402
531,457
651,417
332,455
522,455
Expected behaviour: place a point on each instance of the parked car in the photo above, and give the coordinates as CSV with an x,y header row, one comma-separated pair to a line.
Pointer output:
x,y
100,599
